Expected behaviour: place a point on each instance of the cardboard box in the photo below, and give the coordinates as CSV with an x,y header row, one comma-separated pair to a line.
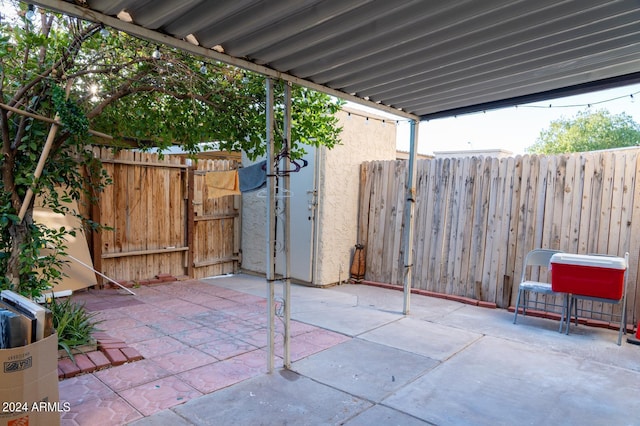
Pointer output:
x,y
29,384
587,275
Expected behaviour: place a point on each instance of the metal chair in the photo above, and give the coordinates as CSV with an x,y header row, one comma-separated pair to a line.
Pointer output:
x,y
535,258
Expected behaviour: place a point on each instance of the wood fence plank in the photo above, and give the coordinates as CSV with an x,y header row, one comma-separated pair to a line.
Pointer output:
x,y
421,219
488,287
439,212
478,232
457,223
626,217
528,181
514,265
617,202
572,206
470,184
446,225
586,229
503,218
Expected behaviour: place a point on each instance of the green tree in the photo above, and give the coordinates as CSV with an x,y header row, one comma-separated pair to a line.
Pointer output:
x,y
587,131
125,87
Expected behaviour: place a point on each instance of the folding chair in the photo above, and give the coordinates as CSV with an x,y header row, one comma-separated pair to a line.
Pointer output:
x,y
535,258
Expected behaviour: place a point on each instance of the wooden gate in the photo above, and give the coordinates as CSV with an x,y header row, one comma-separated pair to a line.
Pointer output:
x,y
160,221
216,225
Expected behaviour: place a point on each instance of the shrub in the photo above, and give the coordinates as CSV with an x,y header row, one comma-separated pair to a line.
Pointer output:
x,y
73,323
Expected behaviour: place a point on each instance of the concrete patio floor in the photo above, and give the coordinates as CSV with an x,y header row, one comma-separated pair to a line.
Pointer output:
x,y
356,361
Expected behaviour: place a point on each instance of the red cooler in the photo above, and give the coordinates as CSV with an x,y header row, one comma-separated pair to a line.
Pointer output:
x,y
585,275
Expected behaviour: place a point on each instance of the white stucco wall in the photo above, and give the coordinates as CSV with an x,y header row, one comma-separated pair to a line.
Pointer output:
x,y
338,190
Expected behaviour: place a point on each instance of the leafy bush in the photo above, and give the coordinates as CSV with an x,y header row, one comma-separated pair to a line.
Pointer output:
x,y
73,323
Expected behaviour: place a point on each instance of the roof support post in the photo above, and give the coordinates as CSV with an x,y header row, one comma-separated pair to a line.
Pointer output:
x,y
409,215
271,226
287,226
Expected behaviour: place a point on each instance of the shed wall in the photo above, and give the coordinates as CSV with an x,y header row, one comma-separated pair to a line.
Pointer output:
x,y
338,183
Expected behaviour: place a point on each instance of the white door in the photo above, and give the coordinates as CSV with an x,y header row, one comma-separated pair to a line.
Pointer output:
x,y
303,208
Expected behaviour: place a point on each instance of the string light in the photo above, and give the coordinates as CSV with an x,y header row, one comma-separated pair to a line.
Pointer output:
x,y
156,53
104,32
587,105
203,68
367,118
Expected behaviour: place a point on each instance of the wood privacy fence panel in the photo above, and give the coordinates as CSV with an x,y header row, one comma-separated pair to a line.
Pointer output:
x,y
153,211
476,218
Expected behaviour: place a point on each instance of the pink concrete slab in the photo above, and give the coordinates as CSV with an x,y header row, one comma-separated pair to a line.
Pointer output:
x,y
178,306
209,318
133,374
132,311
233,325
112,410
184,360
159,346
117,323
155,316
109,314
220,292
155,396
136,334
198,336
193,309
226,373
226,347
145,291
248,299
78,389
218,303
244,311
256,338
172,327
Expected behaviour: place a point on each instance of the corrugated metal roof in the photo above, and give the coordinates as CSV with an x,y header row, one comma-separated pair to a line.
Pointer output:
x,y
427,58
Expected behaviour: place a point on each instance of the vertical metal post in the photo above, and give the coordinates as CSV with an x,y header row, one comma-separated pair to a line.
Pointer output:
x,y
287,229
409,216
271,229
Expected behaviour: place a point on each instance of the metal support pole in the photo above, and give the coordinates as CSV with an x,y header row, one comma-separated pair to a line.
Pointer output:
x,y
271,229
409,216
287,229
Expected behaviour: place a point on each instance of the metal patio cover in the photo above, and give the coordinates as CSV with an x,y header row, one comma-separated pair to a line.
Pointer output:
x,y
425,58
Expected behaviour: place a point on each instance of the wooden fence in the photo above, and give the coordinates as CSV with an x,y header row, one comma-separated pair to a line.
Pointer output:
x,y
476,218
161,220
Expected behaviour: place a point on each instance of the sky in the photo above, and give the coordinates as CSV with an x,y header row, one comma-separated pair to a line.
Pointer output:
x,y
513,128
